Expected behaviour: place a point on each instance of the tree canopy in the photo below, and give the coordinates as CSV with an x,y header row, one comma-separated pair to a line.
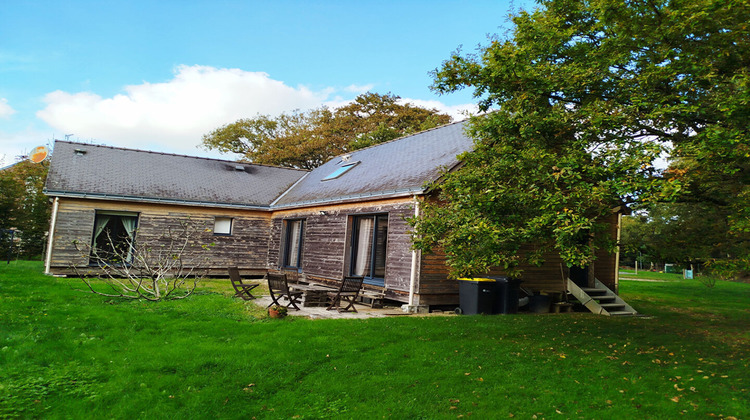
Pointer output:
x,y
24,207
308,139
582,98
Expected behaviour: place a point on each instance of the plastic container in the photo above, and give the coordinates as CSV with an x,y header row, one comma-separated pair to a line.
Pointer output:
x,y
507,295
477,296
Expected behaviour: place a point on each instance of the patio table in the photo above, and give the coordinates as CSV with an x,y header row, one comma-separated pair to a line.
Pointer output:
x,y
313,294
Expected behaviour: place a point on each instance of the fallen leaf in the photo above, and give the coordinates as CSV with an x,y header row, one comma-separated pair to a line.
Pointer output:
x,y
675,399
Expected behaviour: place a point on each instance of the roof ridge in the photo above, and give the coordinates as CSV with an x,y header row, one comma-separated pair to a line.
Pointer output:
x,y
401,138
130,149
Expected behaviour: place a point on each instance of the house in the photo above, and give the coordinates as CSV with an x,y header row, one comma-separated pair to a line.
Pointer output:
x,y
346,217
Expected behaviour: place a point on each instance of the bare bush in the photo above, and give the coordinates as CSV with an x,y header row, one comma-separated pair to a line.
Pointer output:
x,y
167,267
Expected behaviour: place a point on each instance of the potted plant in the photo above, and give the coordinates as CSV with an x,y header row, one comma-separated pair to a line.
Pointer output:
x,y
277,311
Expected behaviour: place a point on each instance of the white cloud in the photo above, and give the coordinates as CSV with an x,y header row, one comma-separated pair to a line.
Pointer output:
x,y
172,116
458,112
19,143
359,88
5,110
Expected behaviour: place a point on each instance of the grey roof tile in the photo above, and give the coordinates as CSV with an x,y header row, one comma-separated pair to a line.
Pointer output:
x,y
400,166
137,174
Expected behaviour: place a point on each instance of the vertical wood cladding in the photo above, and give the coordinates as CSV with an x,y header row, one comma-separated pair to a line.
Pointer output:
x,y
246,247
75,223
327,237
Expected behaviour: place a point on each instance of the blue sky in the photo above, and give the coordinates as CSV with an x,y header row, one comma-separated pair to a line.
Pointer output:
x,y
159,74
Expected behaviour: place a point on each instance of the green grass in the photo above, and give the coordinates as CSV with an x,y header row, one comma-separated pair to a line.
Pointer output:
x,y
67,354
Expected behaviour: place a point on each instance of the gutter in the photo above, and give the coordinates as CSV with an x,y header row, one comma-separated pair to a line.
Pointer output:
x,y
348,198
101,196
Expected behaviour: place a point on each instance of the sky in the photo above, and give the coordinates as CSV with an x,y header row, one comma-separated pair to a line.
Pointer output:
x,y
158,75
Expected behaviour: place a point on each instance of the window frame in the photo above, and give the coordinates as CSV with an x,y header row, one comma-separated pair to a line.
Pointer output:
x,y
340,171
94,261
370,277
223,218
289,228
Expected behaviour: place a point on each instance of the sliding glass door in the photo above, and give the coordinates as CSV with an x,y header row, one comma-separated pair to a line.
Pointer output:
x,y
369,243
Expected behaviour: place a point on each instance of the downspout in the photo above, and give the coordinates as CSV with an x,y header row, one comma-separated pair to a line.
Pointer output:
x,y
51,235
414,265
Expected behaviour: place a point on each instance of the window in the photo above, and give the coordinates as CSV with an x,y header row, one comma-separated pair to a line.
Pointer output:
x,y
340,171
114,237
368,247
223,226
293,243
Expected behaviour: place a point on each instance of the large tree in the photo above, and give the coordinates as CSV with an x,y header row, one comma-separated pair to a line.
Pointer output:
x,y
24,207
308,139
581,99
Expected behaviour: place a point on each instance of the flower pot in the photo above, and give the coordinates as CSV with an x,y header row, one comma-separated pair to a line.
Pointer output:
x,y
273,313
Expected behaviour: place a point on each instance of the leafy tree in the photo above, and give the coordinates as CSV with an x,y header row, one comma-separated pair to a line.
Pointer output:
x,y
308,139
685,233
584,96
23,205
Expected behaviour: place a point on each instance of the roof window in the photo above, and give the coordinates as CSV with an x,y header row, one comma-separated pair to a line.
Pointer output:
x,y
340,171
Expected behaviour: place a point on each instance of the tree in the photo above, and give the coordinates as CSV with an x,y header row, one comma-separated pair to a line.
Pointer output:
x,y
153,270
584,96
682,233
24,207
308,139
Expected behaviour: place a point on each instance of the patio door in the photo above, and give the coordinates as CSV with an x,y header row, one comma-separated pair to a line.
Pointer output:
x,y
369,243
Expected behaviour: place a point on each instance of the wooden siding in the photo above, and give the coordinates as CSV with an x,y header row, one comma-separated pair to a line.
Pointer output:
x,y
435,288
246,247
326,241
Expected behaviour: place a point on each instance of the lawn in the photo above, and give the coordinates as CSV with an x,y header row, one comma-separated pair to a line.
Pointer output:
x,y
68,354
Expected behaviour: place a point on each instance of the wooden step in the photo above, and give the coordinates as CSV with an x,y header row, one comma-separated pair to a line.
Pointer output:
x,y
609,306
601,298
594,290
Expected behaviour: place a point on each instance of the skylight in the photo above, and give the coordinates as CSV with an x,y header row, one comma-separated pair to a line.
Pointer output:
x,y
340,171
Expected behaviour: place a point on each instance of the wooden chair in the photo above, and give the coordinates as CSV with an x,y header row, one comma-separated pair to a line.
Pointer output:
x,y
278,287
348,292
241,289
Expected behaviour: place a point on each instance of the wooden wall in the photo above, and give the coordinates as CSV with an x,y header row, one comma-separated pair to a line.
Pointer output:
x,y
325,249
256,244
436,289
247,247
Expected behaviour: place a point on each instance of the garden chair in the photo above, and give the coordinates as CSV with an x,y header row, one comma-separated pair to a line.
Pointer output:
x,y
278,287
241,289
348,292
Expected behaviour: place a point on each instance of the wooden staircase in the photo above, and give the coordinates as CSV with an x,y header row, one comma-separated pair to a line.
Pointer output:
x,y
600,299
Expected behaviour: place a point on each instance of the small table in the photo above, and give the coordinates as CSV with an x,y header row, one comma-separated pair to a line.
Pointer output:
x,y
314,294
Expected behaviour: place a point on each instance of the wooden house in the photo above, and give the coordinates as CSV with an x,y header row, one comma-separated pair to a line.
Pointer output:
x,y
346,217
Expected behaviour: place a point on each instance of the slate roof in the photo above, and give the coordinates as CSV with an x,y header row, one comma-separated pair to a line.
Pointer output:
x,y
117,173
395,168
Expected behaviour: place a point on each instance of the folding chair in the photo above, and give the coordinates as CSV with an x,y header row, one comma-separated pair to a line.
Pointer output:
x,y
278,287
241,289
348,292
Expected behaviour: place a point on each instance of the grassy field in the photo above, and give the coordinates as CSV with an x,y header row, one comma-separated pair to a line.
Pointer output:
x,y
67,354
